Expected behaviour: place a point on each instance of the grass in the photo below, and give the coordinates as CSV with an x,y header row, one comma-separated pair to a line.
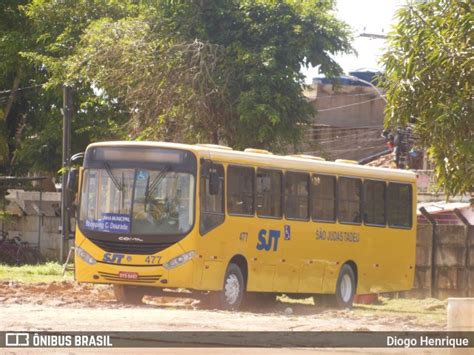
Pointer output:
x,y
48,272
427,310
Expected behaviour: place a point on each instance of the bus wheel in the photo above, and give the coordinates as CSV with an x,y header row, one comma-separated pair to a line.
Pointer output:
x,y
128,294
345,291
346,287
232,294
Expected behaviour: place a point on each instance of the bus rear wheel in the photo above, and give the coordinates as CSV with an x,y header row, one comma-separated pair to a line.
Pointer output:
x,y
346,287
345,291
230,298
128,294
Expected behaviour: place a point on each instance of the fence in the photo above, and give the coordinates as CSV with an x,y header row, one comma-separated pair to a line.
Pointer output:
x,y
444,256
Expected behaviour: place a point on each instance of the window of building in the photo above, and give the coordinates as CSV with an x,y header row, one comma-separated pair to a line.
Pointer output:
x,y
269,193
323,197
348,200
240,190
374,202
399,205
212,206
297,195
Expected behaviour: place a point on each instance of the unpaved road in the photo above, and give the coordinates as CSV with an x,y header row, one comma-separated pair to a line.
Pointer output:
x,y
68,306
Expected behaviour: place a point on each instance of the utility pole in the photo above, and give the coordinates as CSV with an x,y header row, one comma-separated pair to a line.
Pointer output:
x,y
67,116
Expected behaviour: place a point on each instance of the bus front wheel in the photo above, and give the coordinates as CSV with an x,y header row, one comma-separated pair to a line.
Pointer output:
x,y
128,294
232,293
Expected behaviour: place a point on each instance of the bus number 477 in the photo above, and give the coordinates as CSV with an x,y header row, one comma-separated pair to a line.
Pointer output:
x,y
265,242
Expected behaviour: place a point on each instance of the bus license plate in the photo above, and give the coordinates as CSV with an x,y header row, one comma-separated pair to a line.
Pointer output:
x,y
128,275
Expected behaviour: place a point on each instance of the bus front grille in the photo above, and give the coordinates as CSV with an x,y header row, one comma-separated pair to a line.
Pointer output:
x,y
131,248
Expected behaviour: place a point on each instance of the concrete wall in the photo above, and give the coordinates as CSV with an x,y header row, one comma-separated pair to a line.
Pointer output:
x,y
35,219
47,237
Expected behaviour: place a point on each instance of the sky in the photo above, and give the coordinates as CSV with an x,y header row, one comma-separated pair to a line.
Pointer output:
x,y
363,16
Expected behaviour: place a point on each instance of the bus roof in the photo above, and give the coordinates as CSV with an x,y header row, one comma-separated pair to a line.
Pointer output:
x,y
293,162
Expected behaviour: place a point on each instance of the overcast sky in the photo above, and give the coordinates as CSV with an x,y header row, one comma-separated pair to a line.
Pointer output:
x,y
369,16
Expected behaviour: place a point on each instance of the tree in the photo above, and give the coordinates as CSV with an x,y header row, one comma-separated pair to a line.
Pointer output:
x,y
221,71
428,75
194,71
14,72
30,116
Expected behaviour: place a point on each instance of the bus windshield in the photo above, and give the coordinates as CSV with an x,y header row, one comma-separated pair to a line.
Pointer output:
x,y
137,201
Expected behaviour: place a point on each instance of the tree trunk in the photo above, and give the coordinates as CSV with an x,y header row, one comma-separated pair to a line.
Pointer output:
x,y
12,97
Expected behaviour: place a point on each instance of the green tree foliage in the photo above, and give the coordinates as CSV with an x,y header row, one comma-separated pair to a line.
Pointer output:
x,y
30,119
429,75
194,71
221,71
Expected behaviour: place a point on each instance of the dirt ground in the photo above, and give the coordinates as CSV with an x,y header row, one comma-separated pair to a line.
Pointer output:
x,y
66,305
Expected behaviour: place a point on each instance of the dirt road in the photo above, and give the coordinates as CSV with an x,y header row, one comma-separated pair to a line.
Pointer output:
x,y
68,306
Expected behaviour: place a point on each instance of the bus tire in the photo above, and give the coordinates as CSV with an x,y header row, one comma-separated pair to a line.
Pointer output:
x,y
128,294
232,294
345,287
345,291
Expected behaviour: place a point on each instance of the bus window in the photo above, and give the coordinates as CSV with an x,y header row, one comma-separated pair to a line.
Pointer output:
x,y
399,207
374,202
269,193
348,200
240,190
296,195
323,198
212,206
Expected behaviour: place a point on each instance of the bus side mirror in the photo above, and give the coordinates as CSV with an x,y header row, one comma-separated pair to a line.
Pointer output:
x,y
71,188
71,182
213,183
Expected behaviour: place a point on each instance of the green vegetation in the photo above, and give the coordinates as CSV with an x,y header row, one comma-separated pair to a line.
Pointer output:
x,y
189,71
427,309
424,311
48,272
429,75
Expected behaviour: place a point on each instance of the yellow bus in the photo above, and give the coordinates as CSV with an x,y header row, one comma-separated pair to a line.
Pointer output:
x,y
231,224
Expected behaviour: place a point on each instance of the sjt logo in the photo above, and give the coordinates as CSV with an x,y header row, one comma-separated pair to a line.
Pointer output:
x,y
266,244
113,258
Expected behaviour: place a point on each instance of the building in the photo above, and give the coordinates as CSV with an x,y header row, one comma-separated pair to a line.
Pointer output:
x,y
349,118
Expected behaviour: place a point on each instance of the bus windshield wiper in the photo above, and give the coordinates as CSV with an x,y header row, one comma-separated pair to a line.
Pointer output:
x,y
156,182
112,177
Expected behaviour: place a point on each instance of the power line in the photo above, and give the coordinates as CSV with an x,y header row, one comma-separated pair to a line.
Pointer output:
x,y
343,95
349,105
21,89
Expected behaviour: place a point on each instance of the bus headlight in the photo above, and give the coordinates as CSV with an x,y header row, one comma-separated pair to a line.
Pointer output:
x,y
84,255
179,260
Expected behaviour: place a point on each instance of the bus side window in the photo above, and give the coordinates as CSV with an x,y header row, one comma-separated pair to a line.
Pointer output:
x,y
374,202
269,193
297,195
240,190
212,205
323,198
348,200
399,205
